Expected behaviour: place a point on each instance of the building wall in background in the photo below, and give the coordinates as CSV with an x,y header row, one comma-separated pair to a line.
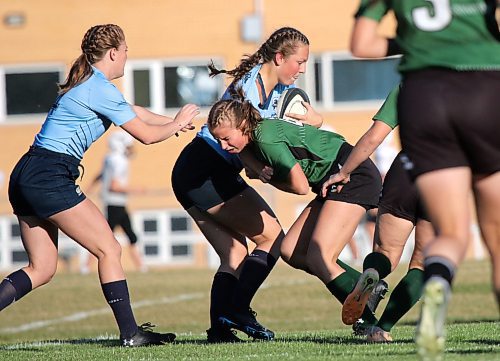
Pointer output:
x,y
169,31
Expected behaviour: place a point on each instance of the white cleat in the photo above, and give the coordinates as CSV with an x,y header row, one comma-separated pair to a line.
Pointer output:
x,y
430,335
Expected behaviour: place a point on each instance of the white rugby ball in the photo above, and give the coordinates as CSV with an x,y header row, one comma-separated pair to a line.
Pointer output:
x,y
291,102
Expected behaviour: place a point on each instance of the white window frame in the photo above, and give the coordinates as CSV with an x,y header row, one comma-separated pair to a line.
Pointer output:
x,y
165,238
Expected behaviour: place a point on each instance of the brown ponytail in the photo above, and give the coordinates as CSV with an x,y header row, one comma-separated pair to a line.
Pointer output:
x,y
284,41
96,42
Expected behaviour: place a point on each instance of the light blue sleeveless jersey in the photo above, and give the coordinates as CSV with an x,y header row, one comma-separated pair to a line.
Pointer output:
x,y
79,117
251,91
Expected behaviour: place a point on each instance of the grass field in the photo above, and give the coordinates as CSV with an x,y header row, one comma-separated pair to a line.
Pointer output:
x,y
69,320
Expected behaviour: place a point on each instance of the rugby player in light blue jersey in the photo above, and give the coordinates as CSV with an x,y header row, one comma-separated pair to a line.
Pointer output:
x,y
42,188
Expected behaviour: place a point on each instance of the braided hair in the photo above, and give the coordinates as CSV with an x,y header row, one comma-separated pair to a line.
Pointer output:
x,y
284,40
237,111
96,42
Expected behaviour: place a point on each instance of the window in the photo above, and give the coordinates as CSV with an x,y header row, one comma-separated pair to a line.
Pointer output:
x,y
151,250
150,226
356,80
181,250
28,91
142,86
15,230
189,84
338,79
180,223
161,85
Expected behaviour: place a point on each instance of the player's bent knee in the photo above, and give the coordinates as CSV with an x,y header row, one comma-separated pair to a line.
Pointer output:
x,y
112,249
42,275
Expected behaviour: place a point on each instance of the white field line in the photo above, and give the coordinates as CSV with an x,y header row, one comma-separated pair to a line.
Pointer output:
x,y
135,305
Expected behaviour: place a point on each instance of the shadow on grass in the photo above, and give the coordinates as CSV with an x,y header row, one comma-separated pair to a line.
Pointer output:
x,y
452,322
39,345
348,340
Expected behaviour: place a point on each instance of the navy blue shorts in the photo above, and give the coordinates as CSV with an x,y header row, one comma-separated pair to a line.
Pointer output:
x,y
203,178
364,187
43,183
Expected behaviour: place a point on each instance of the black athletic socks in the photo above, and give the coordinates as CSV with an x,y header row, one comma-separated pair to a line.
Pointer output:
x,y
14,287
116,293
404,296
379,262
439,266
341,286
221,295
255,270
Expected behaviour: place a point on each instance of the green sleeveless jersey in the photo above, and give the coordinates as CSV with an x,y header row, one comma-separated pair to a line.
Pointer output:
x,y
282,144
458,34
388,112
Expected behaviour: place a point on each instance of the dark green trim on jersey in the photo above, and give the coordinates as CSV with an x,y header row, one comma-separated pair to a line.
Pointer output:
x,y
282,144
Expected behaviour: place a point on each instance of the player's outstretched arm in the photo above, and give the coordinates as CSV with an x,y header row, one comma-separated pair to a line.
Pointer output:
x,y
148,133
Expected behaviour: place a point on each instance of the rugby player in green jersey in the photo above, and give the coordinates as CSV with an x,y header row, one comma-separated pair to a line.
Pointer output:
x,y
399,212
303,157
448,113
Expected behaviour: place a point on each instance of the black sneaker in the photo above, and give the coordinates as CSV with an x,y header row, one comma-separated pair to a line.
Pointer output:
x,y
377,295
247,323
146,337
222,335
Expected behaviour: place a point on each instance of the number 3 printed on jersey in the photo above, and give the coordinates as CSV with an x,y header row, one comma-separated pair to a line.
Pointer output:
x,y
435,18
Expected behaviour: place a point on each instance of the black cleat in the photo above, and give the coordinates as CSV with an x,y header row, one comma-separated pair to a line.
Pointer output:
x,y
222,335
360,328
377,295
146,337
247,323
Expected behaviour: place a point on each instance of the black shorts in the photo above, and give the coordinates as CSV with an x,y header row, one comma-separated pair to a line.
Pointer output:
x,y
399,194
203,178
364,187
43,183
118,216
450,119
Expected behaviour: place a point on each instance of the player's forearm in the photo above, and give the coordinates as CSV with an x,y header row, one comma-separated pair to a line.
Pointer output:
x,y
150,117
363,149
289,188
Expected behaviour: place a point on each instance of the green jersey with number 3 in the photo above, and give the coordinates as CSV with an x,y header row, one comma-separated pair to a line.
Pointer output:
x,y
456,34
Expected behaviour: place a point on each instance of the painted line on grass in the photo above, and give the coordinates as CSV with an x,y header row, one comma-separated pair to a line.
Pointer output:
x,y
102,311
135,305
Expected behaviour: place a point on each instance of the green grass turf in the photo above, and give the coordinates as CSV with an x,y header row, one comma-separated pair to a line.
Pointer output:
x,y
68,319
